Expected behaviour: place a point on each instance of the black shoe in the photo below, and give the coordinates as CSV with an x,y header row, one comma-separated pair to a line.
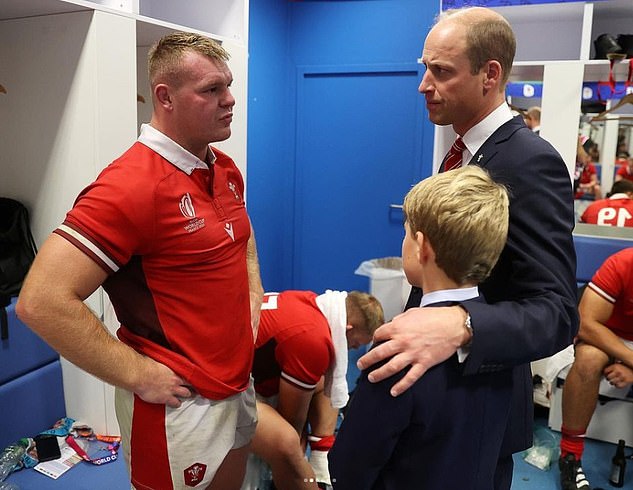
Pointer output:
x,y
571,475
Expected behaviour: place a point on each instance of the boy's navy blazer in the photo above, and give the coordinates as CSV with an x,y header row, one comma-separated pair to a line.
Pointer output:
x,y
444,432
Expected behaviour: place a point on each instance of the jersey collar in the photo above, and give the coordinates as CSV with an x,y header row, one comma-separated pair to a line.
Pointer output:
x,y
172,151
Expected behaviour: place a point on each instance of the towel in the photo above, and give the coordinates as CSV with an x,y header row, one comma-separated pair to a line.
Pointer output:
x,y
332,305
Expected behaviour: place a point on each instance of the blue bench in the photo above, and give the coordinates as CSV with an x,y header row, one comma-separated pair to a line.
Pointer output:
x,y
31,391
32,400
594,244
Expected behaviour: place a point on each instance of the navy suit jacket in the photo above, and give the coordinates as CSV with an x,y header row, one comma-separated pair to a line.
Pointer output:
x,y
531,292
444,432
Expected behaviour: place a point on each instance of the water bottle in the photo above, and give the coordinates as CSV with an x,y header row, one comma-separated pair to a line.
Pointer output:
x,y
10,457
618,464
8,486
266,478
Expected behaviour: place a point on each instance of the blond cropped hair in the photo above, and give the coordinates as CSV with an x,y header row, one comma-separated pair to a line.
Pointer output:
x,y
364,311
464,215
165,56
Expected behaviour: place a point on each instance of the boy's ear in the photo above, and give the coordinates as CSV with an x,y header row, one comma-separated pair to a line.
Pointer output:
x,y
420,241
425,251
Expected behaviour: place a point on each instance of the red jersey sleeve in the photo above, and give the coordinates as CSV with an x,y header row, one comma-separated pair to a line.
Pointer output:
x,y
111,219
608,281
304,359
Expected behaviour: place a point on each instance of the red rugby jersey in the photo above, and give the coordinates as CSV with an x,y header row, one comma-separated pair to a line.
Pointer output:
x,y
293,342
175,251
614,282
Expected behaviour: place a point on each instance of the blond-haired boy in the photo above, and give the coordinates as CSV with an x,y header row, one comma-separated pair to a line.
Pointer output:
x,y
446,431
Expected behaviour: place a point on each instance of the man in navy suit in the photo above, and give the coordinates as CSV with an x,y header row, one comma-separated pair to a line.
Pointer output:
x,y
531,293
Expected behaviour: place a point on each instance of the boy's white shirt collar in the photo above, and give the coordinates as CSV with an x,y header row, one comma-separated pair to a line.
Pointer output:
x,y
172,151
461,294
476,136
443,295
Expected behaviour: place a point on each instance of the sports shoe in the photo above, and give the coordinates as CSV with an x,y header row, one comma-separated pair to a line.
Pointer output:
x,y
571,475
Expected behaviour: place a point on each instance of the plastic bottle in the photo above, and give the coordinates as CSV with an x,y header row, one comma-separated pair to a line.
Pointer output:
x,y
8,486
9,458
618,465
266,478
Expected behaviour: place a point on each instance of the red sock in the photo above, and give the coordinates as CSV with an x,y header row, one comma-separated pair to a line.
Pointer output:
x,y
572,441
324,443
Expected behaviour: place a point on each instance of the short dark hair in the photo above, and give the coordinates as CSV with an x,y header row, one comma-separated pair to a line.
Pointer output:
x,y
621,187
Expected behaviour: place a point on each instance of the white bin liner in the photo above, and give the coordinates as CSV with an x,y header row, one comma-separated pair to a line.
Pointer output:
x,y
387,283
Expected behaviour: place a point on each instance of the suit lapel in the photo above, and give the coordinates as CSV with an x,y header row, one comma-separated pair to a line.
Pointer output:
x,y
483,155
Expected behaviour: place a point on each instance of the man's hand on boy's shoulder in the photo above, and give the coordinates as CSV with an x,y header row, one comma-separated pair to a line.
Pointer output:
x,y
420,338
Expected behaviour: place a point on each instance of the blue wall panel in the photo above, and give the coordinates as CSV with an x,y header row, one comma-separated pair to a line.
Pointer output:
x,y
287,35
358,152
270,139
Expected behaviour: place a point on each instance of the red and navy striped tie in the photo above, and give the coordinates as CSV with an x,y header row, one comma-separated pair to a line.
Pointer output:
x,y
453,158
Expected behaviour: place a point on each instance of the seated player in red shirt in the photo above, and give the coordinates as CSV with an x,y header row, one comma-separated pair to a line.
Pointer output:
x,y
604,348
625,172
586,178
615,210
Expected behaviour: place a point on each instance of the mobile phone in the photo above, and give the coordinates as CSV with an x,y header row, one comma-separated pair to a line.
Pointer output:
x,y
47,447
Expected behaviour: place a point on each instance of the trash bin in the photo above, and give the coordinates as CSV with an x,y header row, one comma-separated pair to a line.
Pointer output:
x,y
387,283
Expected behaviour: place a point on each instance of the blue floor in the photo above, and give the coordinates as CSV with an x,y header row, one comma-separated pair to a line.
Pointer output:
x,y
113,476
596,463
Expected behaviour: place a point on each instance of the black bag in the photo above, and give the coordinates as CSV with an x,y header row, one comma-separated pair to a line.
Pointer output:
x,y
605,45
17,251
626,43
17,247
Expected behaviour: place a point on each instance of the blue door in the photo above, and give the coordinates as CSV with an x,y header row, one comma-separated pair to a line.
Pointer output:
x,y
358,151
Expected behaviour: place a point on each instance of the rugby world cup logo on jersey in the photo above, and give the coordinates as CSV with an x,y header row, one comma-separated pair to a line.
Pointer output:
x,y
188,211
186,206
